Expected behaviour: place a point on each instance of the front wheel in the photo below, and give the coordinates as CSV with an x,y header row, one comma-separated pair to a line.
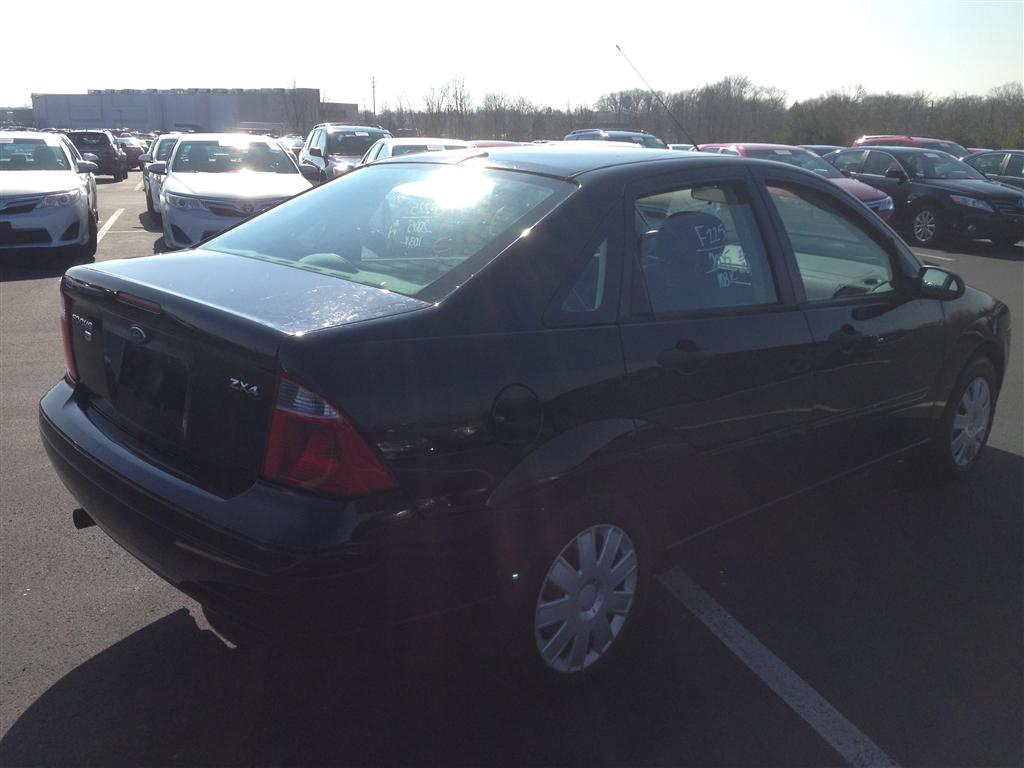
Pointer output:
x,y
581,597
926,226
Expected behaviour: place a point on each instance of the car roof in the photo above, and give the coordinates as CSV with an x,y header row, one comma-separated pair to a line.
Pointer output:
x,y
344,127
240,138
413,140
896,150
565,160
50,139
753,145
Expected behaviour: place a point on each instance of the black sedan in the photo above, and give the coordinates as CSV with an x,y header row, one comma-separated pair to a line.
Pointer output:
x,y
515,377
937,196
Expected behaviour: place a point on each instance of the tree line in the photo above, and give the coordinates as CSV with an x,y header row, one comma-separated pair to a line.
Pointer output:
x,y
732,109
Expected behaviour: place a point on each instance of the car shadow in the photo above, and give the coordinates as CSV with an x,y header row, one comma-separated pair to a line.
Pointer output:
x,y
977,248
35,265
150,222
175,694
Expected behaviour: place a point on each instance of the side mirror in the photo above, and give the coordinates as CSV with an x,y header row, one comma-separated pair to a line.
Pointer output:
x,y
160,169
91,157
146,158
310,173
939,283
86,166
896,173
845,172
316,152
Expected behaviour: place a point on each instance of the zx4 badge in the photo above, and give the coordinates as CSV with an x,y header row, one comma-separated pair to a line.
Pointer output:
x,y
243,386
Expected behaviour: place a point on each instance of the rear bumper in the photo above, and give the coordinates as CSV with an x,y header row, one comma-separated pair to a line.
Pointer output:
x,y
269,558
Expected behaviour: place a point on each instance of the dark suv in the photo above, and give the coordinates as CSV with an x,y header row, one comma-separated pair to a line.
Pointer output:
x,y
332,149
643,138
937,196
516,381
111,159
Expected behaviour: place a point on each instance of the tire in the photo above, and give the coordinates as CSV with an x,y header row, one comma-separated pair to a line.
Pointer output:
x,y
927,226
1006,242
87,251
566,621
967,420
149,204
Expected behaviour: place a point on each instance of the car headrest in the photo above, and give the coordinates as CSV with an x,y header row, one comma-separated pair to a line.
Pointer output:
x,y
691,236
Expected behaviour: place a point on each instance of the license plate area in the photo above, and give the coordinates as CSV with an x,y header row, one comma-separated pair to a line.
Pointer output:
x,y
151,388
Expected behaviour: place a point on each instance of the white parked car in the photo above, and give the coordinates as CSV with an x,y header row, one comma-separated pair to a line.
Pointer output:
x,y
47,195
160,151
212,181
392,147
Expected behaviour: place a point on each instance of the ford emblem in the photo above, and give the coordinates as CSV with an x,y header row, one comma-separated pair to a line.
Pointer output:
x,y
138,335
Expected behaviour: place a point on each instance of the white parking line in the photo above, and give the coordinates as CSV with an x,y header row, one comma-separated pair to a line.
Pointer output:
x,y
840,733
137,187
108,224
940,258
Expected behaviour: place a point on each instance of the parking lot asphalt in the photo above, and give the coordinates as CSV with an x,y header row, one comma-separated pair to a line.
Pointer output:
x,y
895,603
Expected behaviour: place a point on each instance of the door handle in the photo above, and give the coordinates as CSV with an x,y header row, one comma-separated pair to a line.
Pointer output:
x,y
685,356
849,339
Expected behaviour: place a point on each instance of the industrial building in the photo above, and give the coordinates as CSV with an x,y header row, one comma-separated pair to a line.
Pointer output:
x,y
287,110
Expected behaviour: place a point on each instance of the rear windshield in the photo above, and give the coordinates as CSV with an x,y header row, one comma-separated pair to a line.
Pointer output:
x,y
946,146
652,142
31,155
350,143
412,149
128,142
416,229
229,155
798,157
89,139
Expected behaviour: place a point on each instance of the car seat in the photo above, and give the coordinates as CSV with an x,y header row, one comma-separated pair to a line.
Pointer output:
x,y
682,273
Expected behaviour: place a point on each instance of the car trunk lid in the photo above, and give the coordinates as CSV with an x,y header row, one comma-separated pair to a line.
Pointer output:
x,y
177,354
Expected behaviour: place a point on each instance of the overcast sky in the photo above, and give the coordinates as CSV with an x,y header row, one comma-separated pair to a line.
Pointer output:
x,y
552,53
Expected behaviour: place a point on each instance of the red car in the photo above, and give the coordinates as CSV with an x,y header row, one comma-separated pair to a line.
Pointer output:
x,y
889,140
875,199
133,148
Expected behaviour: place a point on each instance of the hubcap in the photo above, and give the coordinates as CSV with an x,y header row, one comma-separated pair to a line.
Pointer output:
x,y
585,598
924,226
970,424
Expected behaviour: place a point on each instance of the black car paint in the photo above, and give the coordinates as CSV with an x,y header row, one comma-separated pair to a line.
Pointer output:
x,y
111,159
910,194
492,412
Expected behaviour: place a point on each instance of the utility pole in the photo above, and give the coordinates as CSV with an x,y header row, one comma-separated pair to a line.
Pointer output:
x,y
373,88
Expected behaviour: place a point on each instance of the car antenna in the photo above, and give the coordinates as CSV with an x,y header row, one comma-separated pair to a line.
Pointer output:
x,y
657,95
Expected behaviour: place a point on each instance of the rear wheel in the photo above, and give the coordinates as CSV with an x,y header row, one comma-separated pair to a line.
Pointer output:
x,y
967,421
581,597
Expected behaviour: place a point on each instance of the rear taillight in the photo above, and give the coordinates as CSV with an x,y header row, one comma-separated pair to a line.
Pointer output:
x,y
313,446
65,332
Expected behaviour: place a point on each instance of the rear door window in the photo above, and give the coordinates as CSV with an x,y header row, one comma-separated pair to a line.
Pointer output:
x,y
848,161
990,163
1015,167
701,249
877,163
